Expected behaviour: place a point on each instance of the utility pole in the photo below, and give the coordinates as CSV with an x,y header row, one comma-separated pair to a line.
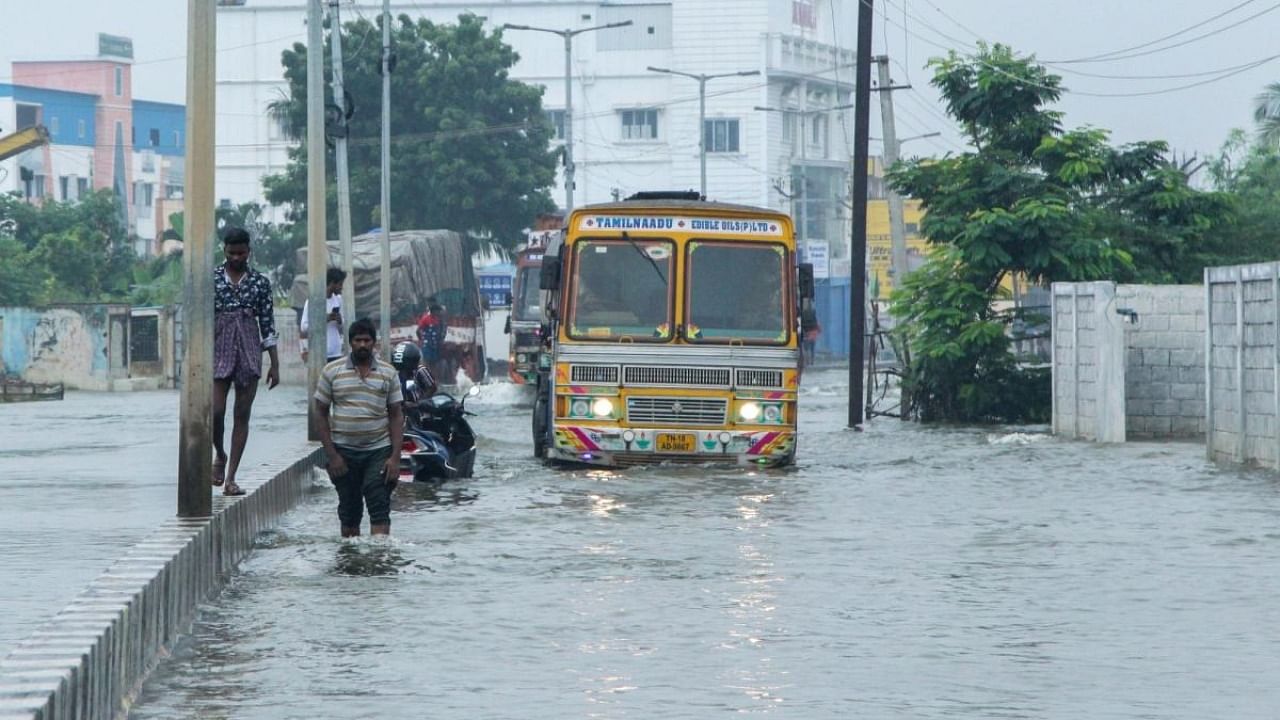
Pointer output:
x,y
195,470
568,35
897,231
858,262
384,288
317,248
801,197
702,113
350,311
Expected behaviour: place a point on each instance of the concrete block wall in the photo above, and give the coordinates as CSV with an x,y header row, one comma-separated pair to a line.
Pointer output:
x,y
1243,373
89,660
1164,380
1088,362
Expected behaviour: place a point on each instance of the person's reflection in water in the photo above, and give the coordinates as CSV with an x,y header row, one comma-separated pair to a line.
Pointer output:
x,y
369,559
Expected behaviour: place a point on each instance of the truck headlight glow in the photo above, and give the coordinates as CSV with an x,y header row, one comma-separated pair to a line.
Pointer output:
x,y
602,407
749,411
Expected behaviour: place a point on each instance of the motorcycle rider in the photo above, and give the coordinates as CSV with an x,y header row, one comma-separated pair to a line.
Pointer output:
x,y
407,360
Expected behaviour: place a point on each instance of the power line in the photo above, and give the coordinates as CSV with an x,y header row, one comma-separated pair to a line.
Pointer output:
x,y
1116,54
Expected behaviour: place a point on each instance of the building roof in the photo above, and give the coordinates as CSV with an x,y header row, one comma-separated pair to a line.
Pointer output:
x,y
32,92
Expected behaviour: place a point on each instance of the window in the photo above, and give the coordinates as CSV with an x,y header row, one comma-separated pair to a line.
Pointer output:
x,y
143,197
177,138
818,137
82,187
556,118
28,116
788,126
720,135
527,305
172,191
639,124
737,293
119,82
154,137
621,288
80,129
53,125
64,186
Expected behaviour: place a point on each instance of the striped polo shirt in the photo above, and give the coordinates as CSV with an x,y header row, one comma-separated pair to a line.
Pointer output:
x,y
358,405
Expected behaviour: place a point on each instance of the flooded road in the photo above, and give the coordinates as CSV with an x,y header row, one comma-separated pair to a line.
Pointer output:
x,y
85,478
902,572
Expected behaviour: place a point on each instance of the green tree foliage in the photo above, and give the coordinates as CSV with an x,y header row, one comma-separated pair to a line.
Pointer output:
x,y
469,145
1250,174
1036,201
64,252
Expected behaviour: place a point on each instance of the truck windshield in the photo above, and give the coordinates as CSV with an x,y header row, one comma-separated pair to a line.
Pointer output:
x,y
527,300
621,288
737,292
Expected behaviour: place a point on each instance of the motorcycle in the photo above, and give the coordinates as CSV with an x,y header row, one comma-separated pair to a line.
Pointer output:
x,y
439,443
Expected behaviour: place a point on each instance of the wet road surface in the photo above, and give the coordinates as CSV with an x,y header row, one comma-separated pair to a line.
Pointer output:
x,y
902,572
85,478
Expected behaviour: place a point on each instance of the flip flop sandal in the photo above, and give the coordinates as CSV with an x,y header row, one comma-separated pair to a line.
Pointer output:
x,y
219,472
232,489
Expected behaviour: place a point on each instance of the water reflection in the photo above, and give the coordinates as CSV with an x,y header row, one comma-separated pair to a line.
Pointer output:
x,y
372,558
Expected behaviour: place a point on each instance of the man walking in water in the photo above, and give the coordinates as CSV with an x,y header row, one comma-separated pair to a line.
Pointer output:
x,y
363,438
244,326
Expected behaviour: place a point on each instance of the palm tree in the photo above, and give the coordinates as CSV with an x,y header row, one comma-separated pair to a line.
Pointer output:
x,y
1266,115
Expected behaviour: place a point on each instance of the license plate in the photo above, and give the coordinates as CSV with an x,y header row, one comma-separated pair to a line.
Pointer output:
x,y
676,442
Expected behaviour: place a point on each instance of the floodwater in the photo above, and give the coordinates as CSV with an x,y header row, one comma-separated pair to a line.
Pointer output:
x,y
901,572
85,478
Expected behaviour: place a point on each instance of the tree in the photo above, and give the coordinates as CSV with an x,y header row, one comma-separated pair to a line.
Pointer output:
x,y
470,150
1249,173
1035,201
1266,115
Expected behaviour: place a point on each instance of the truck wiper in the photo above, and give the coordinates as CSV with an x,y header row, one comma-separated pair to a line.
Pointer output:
x,y
626,236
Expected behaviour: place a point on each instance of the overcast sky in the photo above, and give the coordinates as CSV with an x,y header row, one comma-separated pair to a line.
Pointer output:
x,y
1195,119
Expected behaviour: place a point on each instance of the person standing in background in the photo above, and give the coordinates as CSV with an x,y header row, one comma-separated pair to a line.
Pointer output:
x,y
333,316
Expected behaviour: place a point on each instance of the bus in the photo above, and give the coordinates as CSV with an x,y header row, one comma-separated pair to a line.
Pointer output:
x,y
524,324
672,330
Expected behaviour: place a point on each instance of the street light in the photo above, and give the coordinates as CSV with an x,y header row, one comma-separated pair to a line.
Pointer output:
x,y
804,157
567,34
702,79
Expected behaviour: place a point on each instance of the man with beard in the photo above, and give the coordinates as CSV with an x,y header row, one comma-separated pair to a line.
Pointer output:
x,y
361,426
244,326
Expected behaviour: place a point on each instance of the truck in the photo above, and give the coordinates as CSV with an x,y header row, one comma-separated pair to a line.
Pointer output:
x,y
524,324
426,266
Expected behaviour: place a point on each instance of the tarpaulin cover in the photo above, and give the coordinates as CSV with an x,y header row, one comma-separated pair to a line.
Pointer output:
x,y
424,264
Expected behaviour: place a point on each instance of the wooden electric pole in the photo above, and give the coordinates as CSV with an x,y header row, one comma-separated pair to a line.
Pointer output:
x,y
858,260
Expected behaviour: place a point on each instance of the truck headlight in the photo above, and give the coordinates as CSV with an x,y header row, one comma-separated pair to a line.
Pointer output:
x,y
602,407
579,408
521,357
749,412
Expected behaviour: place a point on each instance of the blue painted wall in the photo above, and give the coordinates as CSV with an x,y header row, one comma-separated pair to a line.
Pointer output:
x,y
57,344
165,117
70,108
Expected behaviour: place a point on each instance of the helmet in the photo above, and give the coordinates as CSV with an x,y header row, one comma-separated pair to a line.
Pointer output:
x,y
406,357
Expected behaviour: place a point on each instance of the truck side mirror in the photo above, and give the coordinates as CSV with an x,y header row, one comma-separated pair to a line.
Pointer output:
x,y
808,316
506,328
805,277
510,300
549,275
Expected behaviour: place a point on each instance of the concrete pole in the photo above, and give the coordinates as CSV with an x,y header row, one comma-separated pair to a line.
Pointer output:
x,y
897,231
702,134
858,263
384,289
317,248
568,124
195,446
350,311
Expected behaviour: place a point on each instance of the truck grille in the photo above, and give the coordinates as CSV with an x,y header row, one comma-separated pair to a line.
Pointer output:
x,y
759,378
675,411
600,374
702,377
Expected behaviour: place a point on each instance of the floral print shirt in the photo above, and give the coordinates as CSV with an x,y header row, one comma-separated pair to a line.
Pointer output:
x,y
253,293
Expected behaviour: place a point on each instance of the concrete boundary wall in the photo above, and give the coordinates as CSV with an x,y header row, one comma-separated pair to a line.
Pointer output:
x,y
90,659
1242,373
1088,362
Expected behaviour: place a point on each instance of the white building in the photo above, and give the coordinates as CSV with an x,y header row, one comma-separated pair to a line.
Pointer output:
x,y
633,129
